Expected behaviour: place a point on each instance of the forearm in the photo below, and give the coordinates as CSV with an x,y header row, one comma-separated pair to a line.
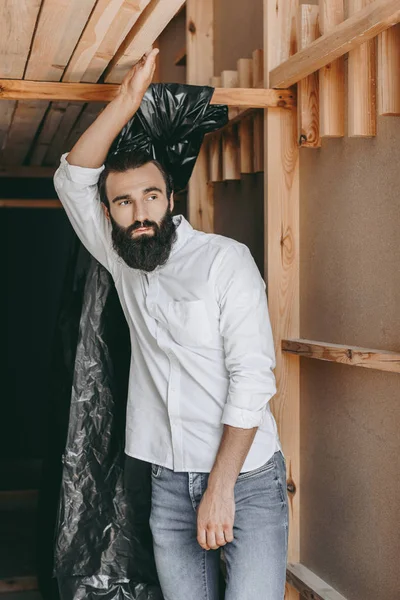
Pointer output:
x,y
91,149
232,453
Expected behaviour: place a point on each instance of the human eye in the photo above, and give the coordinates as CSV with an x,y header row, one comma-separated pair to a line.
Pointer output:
x,y
124,202
152,197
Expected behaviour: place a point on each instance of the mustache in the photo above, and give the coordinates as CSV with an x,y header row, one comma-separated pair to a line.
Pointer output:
x,y
139,224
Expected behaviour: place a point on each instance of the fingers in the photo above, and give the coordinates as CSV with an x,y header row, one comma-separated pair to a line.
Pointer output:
x,y
202,538
228,534
213,538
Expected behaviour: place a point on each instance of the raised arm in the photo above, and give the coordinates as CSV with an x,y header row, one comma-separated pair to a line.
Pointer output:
x,y
91,149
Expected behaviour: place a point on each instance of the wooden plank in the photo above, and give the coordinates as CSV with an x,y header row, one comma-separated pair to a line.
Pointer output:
x,y
308,88
16,17
361,84
7,109
17,203
246,141
58,31
86,118
18,584
26,120
310,586
180,57
258,119
109,24
282,259
26,172
199,70
214,146
51,124
230,136
154,18
331,76
355,356
95,92
58,144
389,72
354,31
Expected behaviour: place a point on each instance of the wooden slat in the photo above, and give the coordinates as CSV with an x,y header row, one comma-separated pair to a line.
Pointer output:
x,y
354,31
199,70
310,586
214,146
18,19
26,172
362,84
7,109
109,24
58,144
16,203
86,118
18,584
154,18
355,356
258,119
389,72
26,120
230,137
51,124
245,73
282,245
95,92
308,88
58,31
331,76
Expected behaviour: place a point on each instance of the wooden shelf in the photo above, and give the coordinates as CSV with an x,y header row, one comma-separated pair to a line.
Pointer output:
x,y
354,356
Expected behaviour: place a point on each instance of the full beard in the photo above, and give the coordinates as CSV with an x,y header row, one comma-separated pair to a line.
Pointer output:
x,y
145,252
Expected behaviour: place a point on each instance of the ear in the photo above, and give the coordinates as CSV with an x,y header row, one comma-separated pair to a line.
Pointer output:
x,y
106,211
171,201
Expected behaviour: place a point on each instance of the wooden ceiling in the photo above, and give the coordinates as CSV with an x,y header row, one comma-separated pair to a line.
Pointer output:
x,y
70,41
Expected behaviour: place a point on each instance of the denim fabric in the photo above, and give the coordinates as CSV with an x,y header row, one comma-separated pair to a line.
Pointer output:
x,y
255,560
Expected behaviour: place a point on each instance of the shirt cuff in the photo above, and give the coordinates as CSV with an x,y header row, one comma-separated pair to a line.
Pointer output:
x,y
82,175
241,417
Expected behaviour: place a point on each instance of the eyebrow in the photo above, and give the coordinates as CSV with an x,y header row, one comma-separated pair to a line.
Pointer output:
x,y
153,188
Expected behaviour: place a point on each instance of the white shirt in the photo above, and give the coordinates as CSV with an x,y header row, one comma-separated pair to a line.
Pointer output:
x,y
202,347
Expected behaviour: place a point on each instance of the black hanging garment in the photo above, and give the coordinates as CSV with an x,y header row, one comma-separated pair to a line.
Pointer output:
x,y
103,546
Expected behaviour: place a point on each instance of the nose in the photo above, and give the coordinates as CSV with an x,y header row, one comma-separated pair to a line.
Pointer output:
x,y
139,212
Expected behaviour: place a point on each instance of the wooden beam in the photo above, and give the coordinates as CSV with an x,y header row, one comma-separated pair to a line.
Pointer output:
x,y
331,76
258,120
14,203
18,21
354,356
58,144
246,142
214,147
310,586
199,70
18,584
26,172
308,88
282,246
26,120
351,33
7,109
51,124
362,84
389,72
109,24
152,21
96,92
180,57
230,137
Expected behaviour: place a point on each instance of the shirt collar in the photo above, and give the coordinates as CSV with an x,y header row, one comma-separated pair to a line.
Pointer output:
x,y
183,231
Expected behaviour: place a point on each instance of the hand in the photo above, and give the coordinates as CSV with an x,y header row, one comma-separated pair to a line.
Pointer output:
x,y
215,518
139,77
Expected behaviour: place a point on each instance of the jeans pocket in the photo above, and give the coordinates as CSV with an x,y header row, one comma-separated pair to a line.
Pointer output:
x,y
156,470
269,465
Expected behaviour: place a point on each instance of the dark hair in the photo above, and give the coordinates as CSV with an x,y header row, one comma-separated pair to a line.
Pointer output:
x,y
123,161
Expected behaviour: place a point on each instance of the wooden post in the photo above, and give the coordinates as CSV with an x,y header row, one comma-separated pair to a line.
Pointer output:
x,y
389,71
308,88
282,256
199,69
331,77
362,84
215,146
245,71
258,120
230,138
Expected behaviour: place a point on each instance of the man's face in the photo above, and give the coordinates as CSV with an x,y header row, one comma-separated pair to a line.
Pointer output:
x,y
141,216
136,196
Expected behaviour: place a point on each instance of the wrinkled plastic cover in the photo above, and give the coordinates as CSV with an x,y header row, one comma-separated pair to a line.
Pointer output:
x,y
170,126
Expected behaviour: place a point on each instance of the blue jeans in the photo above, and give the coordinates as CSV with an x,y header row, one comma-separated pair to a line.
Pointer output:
x,y
255,560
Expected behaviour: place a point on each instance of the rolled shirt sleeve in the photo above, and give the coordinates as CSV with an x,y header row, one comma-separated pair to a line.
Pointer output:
x,y
247,334
78,192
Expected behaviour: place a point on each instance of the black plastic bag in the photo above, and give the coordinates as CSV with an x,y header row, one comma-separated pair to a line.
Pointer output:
x,y
170,126
103,544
